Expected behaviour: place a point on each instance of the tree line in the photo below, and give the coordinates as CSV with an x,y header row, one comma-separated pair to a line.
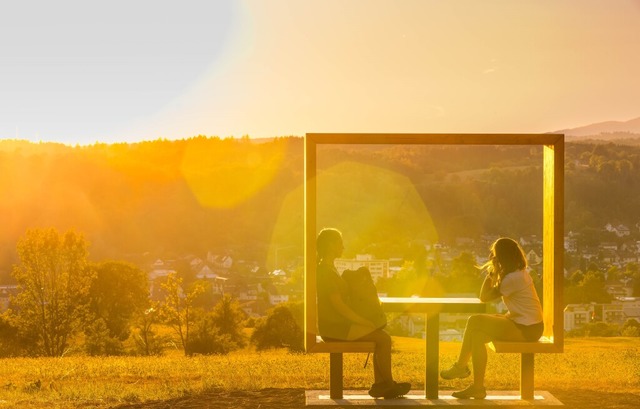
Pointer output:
x,y
170,198
66,304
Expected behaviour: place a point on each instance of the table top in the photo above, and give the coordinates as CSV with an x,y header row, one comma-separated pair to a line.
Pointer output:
x,y
432,304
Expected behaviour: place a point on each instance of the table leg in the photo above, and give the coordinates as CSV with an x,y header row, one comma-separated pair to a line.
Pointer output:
x,y
432,339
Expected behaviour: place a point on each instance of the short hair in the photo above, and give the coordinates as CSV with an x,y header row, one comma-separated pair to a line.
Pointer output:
x,y
325,238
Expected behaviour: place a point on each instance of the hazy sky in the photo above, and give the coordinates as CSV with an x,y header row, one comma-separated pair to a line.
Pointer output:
x,y
84,71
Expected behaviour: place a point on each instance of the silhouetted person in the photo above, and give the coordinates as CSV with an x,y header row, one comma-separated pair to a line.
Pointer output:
x,y
338,322
507,278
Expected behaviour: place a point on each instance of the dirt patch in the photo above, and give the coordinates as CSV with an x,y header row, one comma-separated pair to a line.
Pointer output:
x,y
588,399
294,398
221,399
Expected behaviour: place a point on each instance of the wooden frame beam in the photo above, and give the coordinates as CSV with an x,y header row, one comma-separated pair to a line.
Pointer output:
x,y
553,216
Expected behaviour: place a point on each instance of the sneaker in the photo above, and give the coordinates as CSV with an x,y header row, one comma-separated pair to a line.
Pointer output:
x,y
378,389
399,389
389,390
455,372
471,392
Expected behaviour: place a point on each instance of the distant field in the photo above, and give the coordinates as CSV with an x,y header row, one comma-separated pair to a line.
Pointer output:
x,y
598,364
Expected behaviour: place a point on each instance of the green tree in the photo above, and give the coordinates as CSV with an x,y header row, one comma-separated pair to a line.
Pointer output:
x,y
54,286
147,342
228,318
10,342
593,288
118,291
219,331
465,276
99,341
279,329
631,328
177,309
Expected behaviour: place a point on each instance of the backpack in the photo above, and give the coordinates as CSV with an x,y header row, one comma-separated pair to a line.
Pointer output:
x,y
363,296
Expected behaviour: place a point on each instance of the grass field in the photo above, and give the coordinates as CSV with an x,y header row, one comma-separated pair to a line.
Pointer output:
x,y
600,364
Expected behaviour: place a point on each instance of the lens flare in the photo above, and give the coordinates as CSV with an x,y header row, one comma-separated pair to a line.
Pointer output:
x,y
225,174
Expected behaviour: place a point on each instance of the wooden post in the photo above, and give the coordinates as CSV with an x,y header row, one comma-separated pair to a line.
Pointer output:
x,y
433,355
526,376
335,375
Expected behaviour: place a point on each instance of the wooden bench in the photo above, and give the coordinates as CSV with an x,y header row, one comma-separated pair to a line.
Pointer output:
x,y
336,351
552,340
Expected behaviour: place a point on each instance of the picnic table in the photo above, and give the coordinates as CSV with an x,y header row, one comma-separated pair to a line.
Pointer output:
x,y
432,307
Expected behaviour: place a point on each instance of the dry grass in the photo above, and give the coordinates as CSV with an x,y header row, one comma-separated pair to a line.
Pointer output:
x,y
611,364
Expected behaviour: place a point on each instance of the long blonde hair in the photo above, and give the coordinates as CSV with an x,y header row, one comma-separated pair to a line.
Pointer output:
x,y
506,257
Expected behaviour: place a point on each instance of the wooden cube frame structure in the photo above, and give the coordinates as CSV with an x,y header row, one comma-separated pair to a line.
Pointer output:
x,y
553,230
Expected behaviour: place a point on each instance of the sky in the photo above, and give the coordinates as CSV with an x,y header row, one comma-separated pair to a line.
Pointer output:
x,y
81,72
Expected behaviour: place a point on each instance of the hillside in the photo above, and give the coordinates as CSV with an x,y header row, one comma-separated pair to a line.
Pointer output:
x,y
627,132
167,199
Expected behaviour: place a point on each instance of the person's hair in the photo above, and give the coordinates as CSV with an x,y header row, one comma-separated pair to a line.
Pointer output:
x,y
508,257
324,240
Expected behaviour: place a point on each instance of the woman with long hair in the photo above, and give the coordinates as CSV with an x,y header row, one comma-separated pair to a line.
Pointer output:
x,y
507,278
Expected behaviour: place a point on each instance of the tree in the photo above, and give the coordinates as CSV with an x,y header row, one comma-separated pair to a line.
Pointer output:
x,y
465,276
220,331
54,284
118,291
593,288
147,342
10,342
177,310
228,318
631,328
279,329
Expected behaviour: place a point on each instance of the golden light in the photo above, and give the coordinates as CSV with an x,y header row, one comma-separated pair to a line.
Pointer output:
x,y
226,174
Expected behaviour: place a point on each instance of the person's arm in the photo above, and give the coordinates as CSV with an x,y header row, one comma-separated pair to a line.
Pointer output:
x,y
489,291
347,312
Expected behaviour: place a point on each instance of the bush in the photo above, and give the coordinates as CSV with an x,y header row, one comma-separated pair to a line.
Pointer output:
x,y
630,332
631,328
99,342
147,343
219,331
280,329
596,329
208,343
10,342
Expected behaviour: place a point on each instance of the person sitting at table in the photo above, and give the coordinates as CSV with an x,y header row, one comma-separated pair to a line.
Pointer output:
x,y
507,278
338,322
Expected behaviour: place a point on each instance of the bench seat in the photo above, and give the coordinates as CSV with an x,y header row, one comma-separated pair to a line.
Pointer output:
x,y
526,351
544,345
335,350
346,346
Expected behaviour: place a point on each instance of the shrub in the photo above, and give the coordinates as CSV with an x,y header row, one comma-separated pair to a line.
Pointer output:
x,y
280,329
98,340
596,329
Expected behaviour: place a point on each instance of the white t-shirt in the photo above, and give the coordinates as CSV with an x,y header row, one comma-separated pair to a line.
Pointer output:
x,y
521,299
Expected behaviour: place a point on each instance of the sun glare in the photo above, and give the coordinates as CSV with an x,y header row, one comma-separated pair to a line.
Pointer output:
x,y
227,174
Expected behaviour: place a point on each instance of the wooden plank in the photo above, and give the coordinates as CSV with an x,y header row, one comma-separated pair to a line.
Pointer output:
x,y
524,347
432,139
526,376
310,193
432,305
335,376
432,357
347,346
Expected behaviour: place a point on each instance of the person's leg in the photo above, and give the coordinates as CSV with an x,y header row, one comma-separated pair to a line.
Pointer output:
x,y
482,329
381,356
